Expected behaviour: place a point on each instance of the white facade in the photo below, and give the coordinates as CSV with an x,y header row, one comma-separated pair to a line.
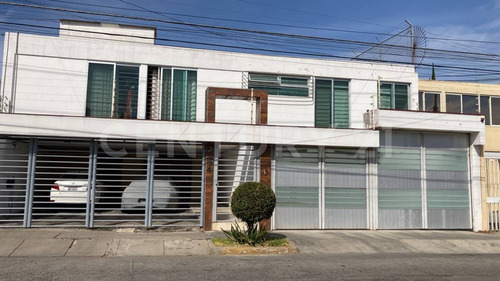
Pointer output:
x,y
45,88
48,75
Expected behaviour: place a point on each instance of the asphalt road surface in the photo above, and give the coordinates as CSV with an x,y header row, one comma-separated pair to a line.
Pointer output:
x,y
296,267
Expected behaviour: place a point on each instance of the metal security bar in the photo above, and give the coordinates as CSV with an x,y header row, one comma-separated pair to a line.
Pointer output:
x,y
121,184
177,184
14,157
60,183
493,193
236,164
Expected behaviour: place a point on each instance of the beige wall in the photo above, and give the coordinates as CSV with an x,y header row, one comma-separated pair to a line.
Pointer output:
x,y
443,87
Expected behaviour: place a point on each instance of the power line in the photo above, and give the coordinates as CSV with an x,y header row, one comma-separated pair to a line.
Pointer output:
x,y
285,25
237,29
251,48
274,39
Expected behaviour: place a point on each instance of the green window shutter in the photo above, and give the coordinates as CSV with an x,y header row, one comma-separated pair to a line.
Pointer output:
x,y
179,95
99,90
263,78
323,103
166,94
386,95
341,104
277,85
191,96
126,94
294,81
184,95
401,96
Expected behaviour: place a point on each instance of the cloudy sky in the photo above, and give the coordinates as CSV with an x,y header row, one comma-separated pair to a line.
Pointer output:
x,y
470,29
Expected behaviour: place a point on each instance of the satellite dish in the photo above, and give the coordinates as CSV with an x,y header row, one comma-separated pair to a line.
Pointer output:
x,y
407,46
418,44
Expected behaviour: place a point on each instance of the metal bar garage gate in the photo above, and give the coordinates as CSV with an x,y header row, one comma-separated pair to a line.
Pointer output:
x,y
493,193
99,183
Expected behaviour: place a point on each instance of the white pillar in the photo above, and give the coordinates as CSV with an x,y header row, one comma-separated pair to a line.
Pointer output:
x,y
142,92
476,195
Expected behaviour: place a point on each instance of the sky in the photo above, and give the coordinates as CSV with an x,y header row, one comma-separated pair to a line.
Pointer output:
x,y
462,38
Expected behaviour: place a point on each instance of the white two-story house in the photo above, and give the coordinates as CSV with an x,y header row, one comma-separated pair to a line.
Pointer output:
x,y
101,126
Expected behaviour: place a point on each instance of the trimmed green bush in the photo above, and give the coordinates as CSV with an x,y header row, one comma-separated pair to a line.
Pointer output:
x,y
253,202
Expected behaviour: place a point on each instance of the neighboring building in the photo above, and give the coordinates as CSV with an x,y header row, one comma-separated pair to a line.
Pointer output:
x,y
341,143
473,98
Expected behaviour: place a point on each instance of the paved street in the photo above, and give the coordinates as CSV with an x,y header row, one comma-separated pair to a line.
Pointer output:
x,y
156,254
292,267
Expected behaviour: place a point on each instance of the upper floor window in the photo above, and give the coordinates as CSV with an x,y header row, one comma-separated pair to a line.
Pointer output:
x,y
458,103
490,108
495,111
102,100
331,103
429,102
178,94
279,84
474,104
393,96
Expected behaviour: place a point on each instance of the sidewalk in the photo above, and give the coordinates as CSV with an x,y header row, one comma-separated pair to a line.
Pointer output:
x,y
56,242
395,241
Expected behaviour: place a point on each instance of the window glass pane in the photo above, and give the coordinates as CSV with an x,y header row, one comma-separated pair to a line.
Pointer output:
x,y
323,103
166,94
184,95
485,109
341,103
99,90
401,96
386,95
127,82
294,81
179,95
278,85
191,95
470,104
495,111
264,78
288,91
421,101
453,104
432,102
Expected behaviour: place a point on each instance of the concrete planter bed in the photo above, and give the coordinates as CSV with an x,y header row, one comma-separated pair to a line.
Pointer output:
x,y
220,249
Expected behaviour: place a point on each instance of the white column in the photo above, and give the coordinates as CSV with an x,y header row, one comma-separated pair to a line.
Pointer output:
x,y
476,197
142,92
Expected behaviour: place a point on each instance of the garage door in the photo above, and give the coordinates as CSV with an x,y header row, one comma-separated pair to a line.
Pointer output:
x,y
110,183
423,181
297,188
321,188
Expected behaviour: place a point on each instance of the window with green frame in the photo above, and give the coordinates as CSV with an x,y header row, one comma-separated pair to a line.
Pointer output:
x,y
102,101
178,100
279,85
331,103
393,96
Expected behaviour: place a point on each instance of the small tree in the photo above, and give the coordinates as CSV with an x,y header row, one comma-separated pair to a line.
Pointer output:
x,y
251,202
